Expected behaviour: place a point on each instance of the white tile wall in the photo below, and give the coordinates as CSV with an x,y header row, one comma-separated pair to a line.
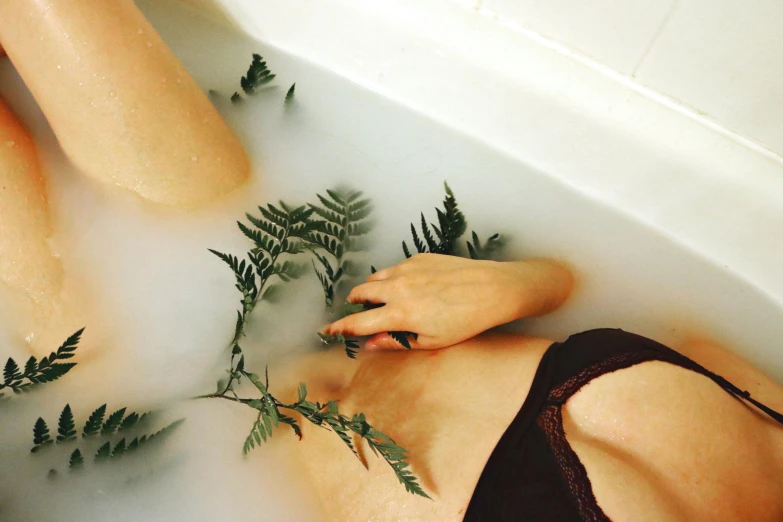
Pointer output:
x,y
724,58
615,32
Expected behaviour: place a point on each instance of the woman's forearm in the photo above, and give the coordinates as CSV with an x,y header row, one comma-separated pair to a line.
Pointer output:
x,y
542,286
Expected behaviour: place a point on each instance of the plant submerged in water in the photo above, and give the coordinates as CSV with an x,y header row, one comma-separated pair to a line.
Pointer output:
x,y
327,231
450,228
46,370
99,430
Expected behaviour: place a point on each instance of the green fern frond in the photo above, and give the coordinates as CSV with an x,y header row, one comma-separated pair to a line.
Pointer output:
x,y
488,250
113,422
93,425
351,345
129,421
66,427
258,74
402,338
40,435
289,96
257,434
43,371
104,452
326,230
76,459
119,449
11,372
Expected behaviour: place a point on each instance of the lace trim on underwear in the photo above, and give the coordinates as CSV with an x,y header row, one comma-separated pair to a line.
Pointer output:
x,y
572,469
551,422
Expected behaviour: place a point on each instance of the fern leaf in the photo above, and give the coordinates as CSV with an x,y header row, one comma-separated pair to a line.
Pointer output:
x,y
67,349
418,243
278,217
359,229
289,96
252,439
66,427
294,425
94,421
76,460
425,231
267,424
351,347
274,230
113,422
11,372
31,366
328,215
40,435
119,449
402,338
254,235
53,372
337,208
129,421
405,251
337,197
104,452
258,74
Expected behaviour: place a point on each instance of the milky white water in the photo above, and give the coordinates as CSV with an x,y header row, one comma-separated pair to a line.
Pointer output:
x,y
160,308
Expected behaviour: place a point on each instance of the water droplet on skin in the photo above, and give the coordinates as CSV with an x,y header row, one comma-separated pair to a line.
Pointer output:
x,y
179,80
10,144
140,31
194,158
133,110
149,44
111,93
59,67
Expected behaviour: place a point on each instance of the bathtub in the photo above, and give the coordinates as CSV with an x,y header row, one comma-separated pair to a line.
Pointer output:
x,y
671,184
671,221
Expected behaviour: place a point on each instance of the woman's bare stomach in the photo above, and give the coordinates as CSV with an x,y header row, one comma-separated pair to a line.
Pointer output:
x,y
658,442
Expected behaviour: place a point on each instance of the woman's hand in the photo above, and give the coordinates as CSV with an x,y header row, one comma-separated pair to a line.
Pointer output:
x,y
446,300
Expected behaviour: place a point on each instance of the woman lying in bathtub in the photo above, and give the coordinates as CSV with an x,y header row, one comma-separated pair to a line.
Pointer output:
x,y
612,426
650,436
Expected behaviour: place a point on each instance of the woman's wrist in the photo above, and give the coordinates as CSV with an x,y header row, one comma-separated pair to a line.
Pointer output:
x,y
541,286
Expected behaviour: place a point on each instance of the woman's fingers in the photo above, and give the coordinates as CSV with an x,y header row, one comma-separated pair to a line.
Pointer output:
x,y
380,275
365,323
373,292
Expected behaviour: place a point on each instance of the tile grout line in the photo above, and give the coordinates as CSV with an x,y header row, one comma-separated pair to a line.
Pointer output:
x,y
633,85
